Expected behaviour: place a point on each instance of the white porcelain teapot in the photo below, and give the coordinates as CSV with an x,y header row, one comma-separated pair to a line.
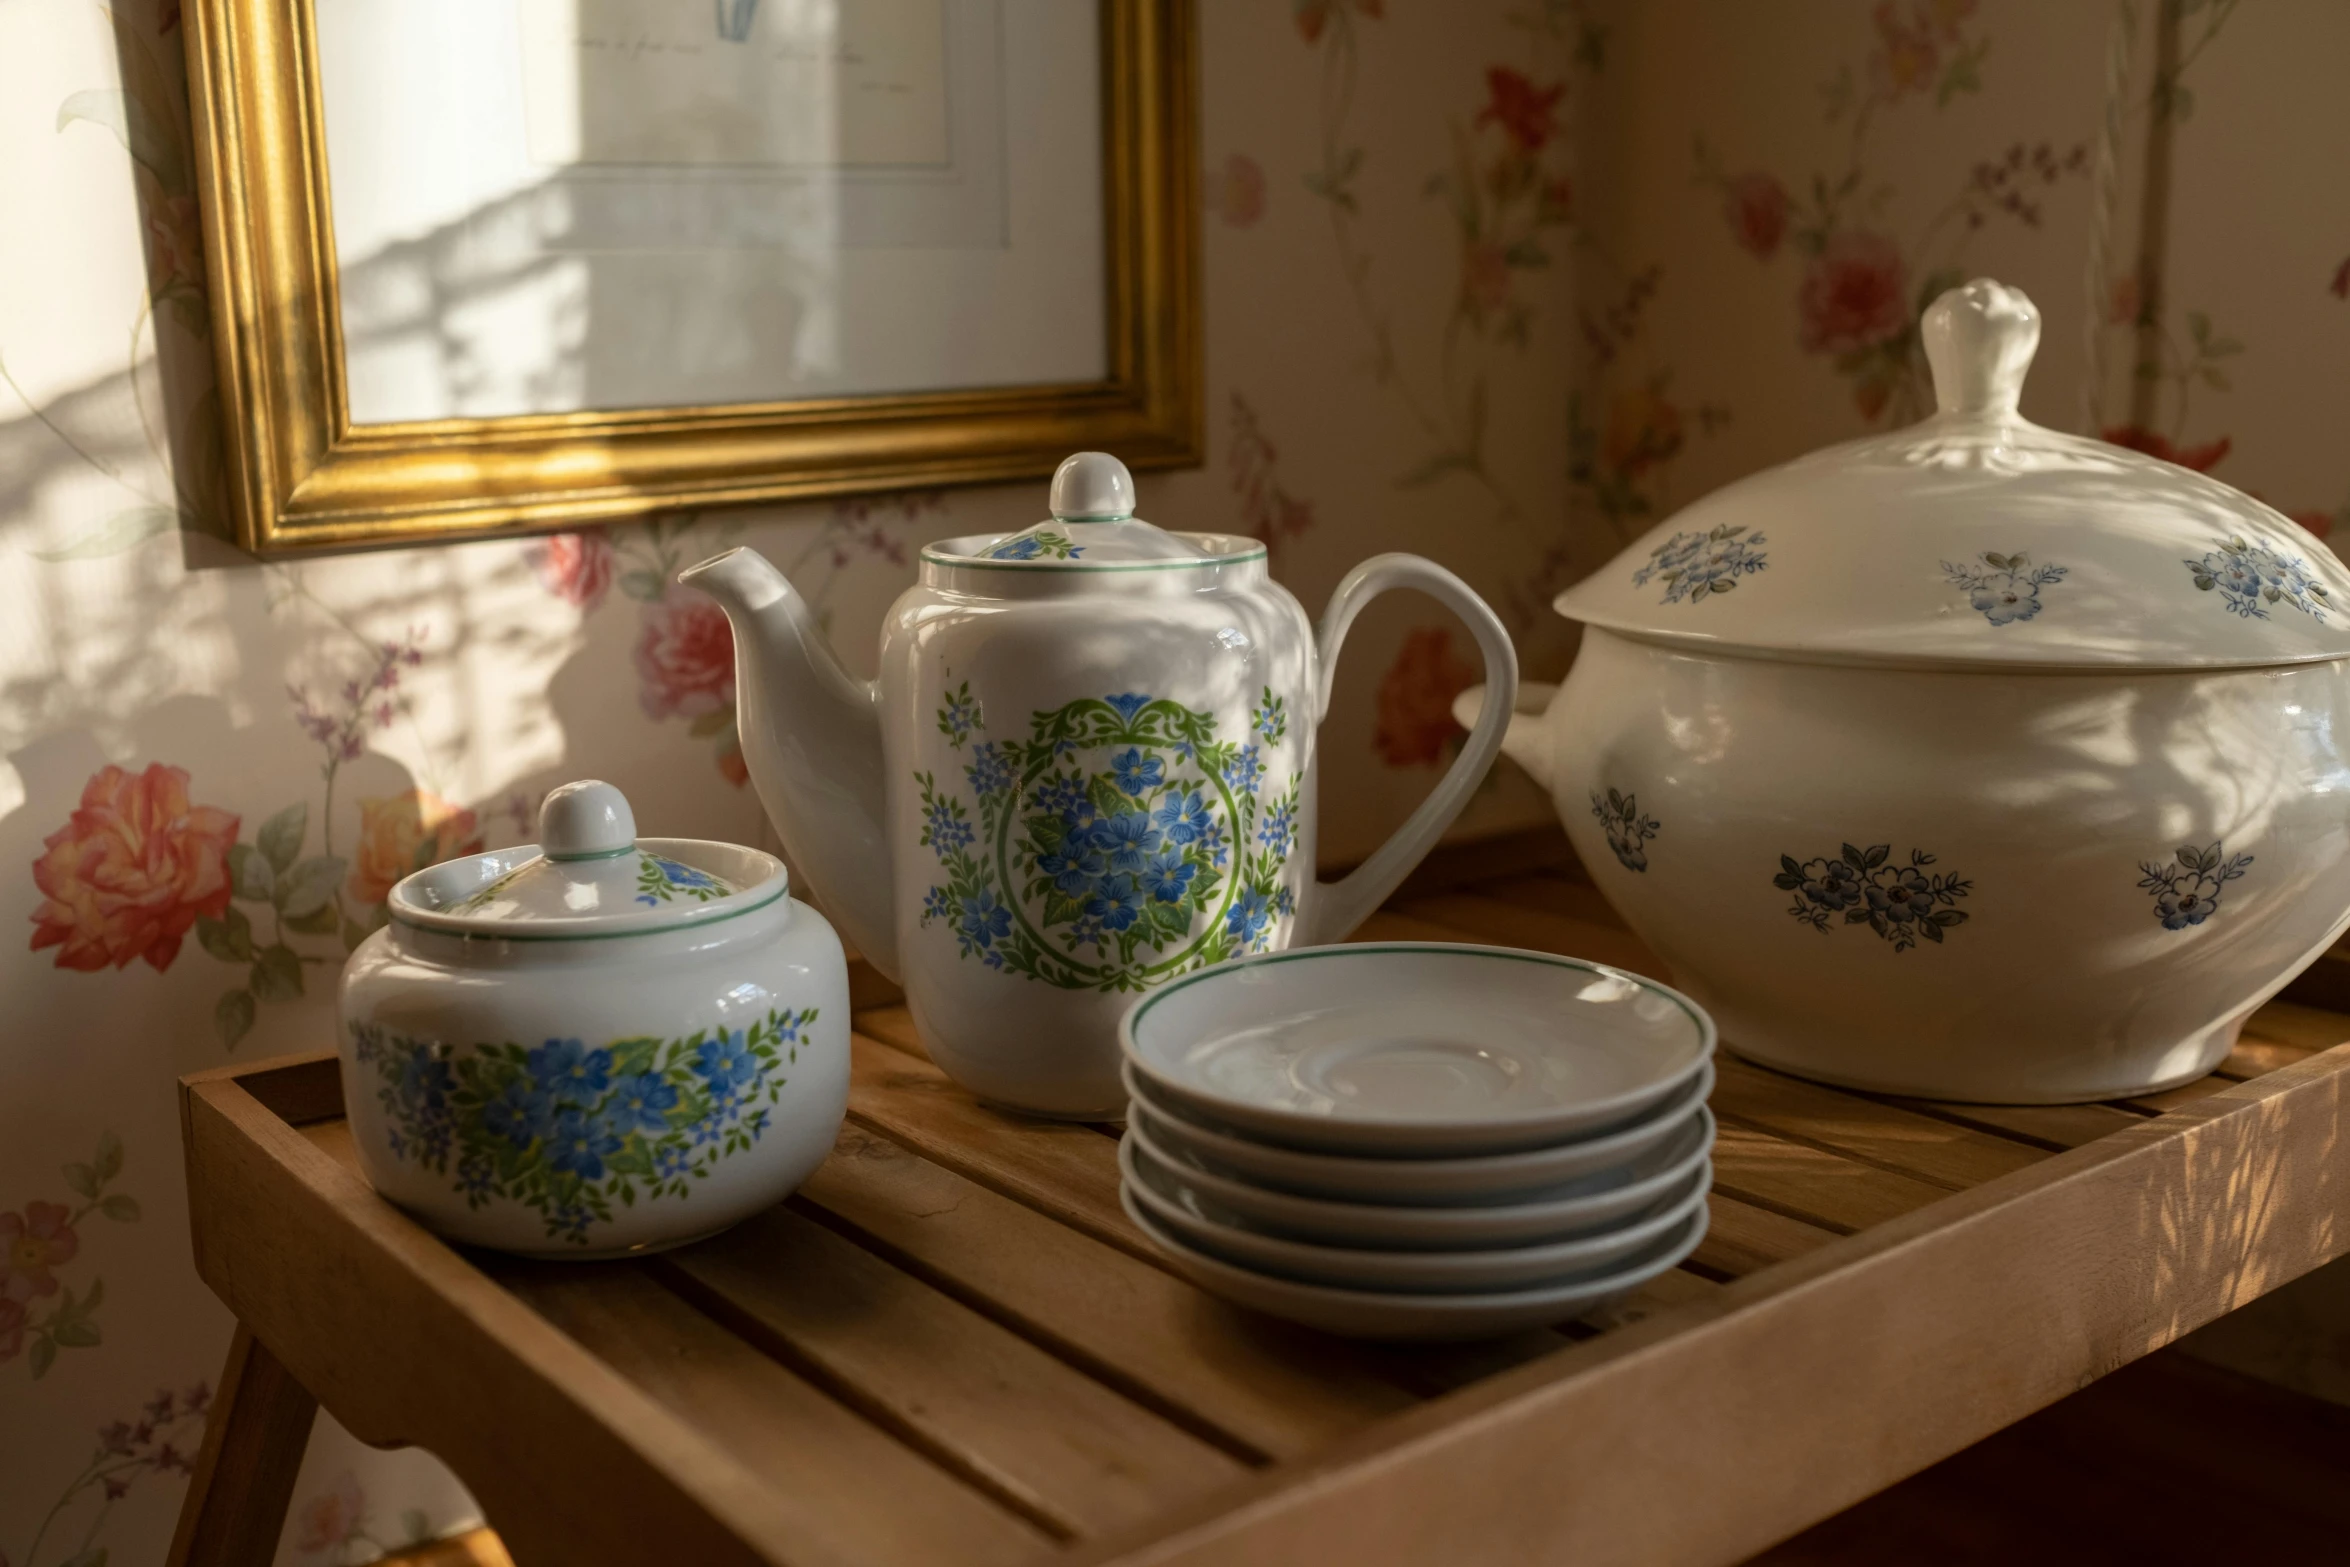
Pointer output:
x,y
1971,760
1087,767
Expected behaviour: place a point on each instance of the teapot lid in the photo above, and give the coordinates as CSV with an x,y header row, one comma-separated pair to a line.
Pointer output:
x,y
1092,523
1977,537
588,875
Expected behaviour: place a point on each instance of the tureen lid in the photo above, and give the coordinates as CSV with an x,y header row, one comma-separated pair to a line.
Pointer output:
x,y
588,875
1092,523
1978,537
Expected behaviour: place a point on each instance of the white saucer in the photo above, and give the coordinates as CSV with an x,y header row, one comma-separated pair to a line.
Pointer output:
x,y
1377,1314
1656,1182
1561,1170
1416,1048
1221,1233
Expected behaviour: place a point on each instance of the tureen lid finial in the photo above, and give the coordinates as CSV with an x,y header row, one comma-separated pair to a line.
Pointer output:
x,y
587,820
1979,339
1092,487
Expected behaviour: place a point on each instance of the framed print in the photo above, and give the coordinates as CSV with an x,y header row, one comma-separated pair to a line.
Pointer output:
x,y
490,265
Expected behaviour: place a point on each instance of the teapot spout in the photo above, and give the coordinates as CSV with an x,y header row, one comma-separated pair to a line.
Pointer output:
x,y
811,734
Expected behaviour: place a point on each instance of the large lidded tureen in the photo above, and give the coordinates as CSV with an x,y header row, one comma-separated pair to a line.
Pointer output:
x,y
1972,761
1087,767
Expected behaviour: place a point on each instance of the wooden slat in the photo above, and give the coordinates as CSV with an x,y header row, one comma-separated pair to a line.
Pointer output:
x,y
2289,1023
1673,1288
1743,1238
1808,1183
2176,1098
1939,1151
1025,1426
854,1494
1717,1428
2055,1127
1058,1167
2257,1057
1268,1390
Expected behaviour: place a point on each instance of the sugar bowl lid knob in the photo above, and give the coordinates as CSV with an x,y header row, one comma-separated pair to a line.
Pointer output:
x,y
587,820
1092,487
1980,338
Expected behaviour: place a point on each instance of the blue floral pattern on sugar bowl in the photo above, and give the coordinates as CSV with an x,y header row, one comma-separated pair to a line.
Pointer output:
x,y
594,1046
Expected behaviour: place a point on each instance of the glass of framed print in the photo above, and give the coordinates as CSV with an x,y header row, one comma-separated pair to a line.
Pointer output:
x,y
489,265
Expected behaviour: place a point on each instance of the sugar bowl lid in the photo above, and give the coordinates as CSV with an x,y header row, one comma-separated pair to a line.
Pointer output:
x,y
588,875
1977,537
1092,524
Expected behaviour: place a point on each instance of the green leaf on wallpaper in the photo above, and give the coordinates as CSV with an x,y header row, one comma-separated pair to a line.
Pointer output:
x,y
418,1525
94,1556
232,1016
249,875
82,1180
142,132
121,1207
229,938
108,1164
353,934
41,1357
117,533
1434,468
324,920
309,886
280,838
642,584
710,723
2217,380
277,973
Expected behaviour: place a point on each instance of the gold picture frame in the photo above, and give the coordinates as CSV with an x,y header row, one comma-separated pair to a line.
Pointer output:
x,y
304,477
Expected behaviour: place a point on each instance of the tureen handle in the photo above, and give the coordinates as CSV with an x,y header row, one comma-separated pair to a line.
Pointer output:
x,y
1980,338
1334,908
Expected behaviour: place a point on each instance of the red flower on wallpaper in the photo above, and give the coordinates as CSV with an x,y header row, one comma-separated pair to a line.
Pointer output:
x,y
1644,430
575,567
1415,699
1485,278
1756,205
1314,15
32,1245
2154,444
685,658
1527,114
131,871
2340,286
2319,523
404,833
1855,296
1236,193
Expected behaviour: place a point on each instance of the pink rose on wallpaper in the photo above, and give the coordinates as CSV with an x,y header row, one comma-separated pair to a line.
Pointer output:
x,y
1527,114
685,659
328,1520
1415,699
575,567
131,871
2317,522
1485,278
403,833
1644,429
2140,439
175,243
1756,205
1855,296
32,1244
1237,192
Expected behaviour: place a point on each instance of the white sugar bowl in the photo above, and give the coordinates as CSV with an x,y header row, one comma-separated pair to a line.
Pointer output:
x,y
595,1045
1971,760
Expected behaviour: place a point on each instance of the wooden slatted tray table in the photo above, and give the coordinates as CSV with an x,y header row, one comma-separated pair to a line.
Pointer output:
x,y
951,1346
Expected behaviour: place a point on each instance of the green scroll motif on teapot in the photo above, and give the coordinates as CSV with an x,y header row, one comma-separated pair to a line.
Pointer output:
x,y
1117,846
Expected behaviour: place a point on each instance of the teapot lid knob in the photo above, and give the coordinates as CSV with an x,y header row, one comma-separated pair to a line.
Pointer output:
x,y
1979,339
1092,487
587,820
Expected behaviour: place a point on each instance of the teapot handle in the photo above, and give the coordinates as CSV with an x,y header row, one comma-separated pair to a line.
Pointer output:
x,y
1334,908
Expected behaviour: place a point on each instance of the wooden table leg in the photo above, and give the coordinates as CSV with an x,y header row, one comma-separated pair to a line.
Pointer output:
x,y
244,1480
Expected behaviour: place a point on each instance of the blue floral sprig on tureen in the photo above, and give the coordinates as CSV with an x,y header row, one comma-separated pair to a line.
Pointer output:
x,y
2247,576
2005,588
1696,566
1904,904
1628,830
567,1130
2186,891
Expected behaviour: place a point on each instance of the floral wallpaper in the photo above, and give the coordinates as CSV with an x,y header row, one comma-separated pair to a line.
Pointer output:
x,y
1500,281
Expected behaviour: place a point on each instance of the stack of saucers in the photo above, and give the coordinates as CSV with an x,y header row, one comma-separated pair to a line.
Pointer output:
x,y
1409,1140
